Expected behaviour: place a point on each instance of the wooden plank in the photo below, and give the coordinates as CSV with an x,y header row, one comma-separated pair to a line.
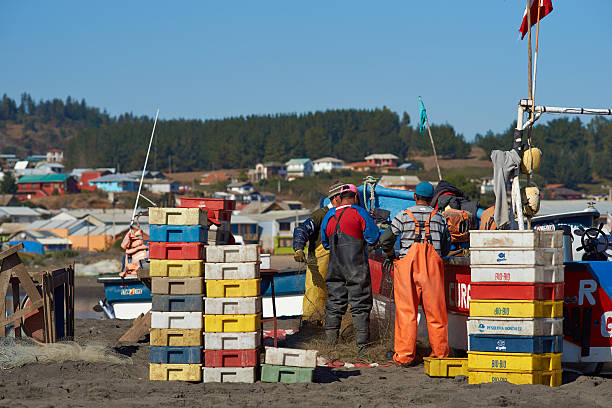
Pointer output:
x,y
12,250
26,281
21,313
16,308
4,283
139,329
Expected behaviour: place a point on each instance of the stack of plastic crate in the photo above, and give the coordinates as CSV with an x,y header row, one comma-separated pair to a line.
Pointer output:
x,y
516,307
288,365
232,319
177,245
219,217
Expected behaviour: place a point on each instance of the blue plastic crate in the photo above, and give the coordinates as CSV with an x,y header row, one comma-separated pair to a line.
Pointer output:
x,y
176,355
177,303
516,344
178,233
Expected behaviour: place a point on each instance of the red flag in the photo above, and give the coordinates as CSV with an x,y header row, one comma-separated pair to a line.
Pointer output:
x,y
545,8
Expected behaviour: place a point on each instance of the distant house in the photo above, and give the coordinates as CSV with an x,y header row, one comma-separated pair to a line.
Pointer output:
x,y
116,183
300,167
360,166
560,192
408,166
246,227
55,156
262,207
161,186
277,229
241,187
33,185
264,171
327,164
88,176
382,160
399,182
217,176
19,214
40,242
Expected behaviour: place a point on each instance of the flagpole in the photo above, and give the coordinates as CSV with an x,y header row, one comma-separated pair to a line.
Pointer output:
x,y
433,146
535,57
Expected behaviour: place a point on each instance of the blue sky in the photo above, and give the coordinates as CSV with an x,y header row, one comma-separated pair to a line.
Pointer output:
x,y
214,59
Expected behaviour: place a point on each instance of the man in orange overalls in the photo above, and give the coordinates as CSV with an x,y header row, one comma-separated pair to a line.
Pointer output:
x,y
418,275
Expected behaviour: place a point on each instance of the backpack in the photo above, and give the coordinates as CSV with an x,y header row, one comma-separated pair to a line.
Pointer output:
x,y
459,223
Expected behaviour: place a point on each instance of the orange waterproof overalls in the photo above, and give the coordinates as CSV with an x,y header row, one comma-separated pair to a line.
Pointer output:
x,y
419,275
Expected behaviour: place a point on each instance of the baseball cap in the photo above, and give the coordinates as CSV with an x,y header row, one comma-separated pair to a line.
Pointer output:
x,y
424,189
348,187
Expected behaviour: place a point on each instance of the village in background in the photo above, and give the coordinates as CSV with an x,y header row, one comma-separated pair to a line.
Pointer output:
x,y
59,213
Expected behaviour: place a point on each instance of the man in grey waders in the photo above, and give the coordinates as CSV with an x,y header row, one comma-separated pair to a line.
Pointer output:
x,y
346,231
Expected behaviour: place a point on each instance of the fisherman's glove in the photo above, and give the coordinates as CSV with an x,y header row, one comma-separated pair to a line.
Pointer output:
x,y
518,145
388,262
299,256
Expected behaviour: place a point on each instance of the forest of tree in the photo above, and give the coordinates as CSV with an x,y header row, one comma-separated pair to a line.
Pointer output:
x,y
574,152
100,140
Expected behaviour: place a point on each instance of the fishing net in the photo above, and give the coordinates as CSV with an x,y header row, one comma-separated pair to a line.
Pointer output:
x,y
19,352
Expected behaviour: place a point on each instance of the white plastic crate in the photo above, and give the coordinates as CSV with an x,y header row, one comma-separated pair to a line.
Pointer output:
x,y
231,270
228,306
291,357
232,341
229,374
516,239
233,253
177,320
265,261
510,273
178,216
510,256
515,327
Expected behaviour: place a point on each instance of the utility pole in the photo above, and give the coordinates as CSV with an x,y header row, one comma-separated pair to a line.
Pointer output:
x,y
609,191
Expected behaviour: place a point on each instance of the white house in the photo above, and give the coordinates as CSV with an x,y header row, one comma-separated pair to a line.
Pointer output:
x,y
55,156
240,187
298,168
327,164
19,214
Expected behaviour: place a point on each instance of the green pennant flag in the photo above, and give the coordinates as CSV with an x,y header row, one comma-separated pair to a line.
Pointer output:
x,y
423,114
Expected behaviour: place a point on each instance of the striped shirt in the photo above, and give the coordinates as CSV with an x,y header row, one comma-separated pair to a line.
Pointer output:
x,y
403,226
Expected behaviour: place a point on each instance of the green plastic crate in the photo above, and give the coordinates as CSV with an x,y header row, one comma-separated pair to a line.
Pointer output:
x,y
284,374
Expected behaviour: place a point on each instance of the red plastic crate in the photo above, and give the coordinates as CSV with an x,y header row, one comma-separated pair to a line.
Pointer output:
x,y
177,250
231,358
517,291
209,203
216,216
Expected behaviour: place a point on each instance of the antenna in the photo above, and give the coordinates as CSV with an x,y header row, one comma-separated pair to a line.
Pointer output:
x,y
144,168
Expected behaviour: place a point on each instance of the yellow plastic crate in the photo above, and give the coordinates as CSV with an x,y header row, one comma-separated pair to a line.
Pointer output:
x,y
232,323
514,361
178,216
516,308
176,269
176,337
445,367
175,372
552,378
233,287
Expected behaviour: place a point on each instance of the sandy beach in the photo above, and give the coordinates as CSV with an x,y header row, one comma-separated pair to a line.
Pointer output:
x,y
119,378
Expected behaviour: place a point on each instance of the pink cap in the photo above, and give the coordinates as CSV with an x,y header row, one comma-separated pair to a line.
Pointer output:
x,y
348,187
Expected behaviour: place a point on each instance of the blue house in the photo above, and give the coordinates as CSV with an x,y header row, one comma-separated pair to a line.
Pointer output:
x,y
116,183
40,242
